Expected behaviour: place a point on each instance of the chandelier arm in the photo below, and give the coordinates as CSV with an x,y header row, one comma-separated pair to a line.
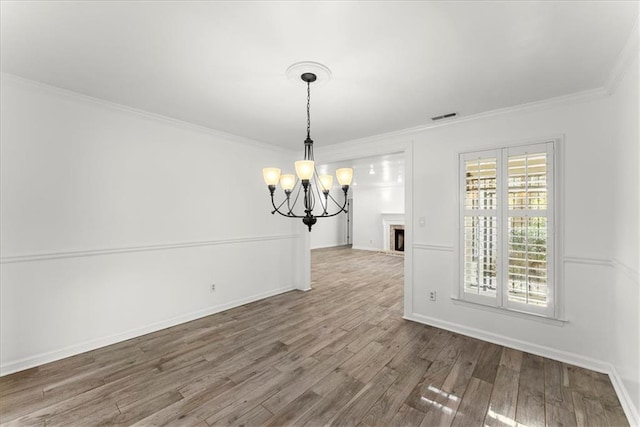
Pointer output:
x,y
324,205
289,215
291,207
276,208
280,205
342,209
336,202
287,200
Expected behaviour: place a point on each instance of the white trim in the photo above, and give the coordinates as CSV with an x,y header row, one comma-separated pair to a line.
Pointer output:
x,y
509,311
586,260
305,283
342,245
624,60
614,263
559,228
41,359
363,248
231,138
159,247
433,247
371,143
544,351
540,350
626,402
501,154
389,219
341,152
337,150
510,143
627,270
408,227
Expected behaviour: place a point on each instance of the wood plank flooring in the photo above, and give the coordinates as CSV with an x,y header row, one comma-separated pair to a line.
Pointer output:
x,y
338,355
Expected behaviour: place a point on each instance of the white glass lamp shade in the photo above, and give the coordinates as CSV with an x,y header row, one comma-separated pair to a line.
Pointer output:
x,y
287,181
304,169
326,181
345,175
271,175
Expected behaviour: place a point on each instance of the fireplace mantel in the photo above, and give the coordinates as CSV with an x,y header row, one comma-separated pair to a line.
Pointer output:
x,y
388,220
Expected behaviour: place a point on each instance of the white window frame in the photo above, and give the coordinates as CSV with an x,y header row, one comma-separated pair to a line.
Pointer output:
x,y
501,300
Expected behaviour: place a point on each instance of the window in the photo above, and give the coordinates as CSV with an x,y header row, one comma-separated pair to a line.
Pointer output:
x,y
506,228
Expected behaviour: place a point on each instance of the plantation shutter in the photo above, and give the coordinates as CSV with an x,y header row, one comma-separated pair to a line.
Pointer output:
x,y
506,228
480,226
528,228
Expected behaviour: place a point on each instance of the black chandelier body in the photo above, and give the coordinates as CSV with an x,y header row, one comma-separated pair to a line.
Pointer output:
x,y
313,187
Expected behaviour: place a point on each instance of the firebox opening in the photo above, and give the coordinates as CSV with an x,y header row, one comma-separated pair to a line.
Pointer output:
x,y
398,240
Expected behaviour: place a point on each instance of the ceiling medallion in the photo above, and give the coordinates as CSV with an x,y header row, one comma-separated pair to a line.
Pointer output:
x,y
322,72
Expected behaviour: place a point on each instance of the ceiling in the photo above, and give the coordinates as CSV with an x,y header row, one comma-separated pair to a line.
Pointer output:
x,y
379,171
395,64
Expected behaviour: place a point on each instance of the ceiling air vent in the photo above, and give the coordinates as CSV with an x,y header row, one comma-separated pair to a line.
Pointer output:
x,y
444,116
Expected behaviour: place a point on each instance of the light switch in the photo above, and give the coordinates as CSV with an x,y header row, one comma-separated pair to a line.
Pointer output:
x,y
422,221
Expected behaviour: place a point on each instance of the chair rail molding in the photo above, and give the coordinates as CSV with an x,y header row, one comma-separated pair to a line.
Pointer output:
x,y
128,249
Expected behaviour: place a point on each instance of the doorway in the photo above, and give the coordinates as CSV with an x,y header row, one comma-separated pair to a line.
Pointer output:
x,y
349,221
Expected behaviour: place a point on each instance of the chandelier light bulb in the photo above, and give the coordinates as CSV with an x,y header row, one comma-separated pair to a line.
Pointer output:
x,y
304,169
345,175
287,181
271,175
326,181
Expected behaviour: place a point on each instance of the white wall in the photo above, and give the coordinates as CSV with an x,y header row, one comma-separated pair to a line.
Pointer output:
x,y
587,226
625,329
330,232
369,205
599,223
597,308
116,223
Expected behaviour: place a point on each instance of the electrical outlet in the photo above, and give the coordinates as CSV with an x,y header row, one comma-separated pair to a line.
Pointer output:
x,y
432,295
213,287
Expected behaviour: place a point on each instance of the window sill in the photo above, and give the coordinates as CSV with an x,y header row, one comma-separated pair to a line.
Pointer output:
x,y
510,312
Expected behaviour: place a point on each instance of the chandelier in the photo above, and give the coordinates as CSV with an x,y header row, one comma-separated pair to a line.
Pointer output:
x,y
314,187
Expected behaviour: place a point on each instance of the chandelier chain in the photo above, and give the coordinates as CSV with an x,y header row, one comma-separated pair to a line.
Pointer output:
x,y
308,110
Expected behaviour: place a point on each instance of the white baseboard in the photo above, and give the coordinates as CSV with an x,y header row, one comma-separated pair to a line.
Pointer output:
x,y
540,350
626,402
51,356
362,248
335,245
630,410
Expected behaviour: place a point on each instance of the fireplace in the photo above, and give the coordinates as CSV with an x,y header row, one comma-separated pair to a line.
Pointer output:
x,y
396,238
392,240
398,241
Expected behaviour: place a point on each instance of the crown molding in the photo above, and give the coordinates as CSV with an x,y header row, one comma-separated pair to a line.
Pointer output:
x,y
628,53
226,137
381,142
625,58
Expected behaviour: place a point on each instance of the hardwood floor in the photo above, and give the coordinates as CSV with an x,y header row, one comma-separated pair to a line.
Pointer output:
x,y
340,354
